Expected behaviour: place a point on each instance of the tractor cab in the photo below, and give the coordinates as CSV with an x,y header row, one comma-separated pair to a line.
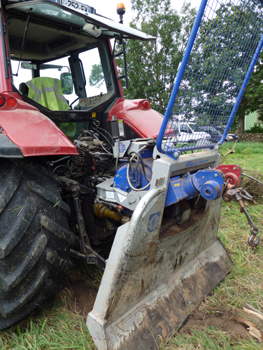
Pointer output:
x,y
61,61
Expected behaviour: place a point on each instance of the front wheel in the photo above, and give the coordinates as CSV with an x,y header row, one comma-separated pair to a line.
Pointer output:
x,y
34,239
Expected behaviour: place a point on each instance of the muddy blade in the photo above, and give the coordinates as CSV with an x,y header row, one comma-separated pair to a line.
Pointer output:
x,y
154,280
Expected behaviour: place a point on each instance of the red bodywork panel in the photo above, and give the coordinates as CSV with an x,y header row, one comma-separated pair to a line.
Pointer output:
x,y
33,132
145,122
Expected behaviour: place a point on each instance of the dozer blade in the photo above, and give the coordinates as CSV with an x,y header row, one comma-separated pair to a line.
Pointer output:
x,y
156,275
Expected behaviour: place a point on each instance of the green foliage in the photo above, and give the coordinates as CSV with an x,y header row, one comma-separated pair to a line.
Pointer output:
x,y
152,66
234,125
255,129
219,62
253,98
96,77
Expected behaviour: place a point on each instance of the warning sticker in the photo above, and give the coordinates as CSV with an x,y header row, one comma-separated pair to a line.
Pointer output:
x,y
122,147
109,195
154,220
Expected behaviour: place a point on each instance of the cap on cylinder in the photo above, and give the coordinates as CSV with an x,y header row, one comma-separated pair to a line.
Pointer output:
x,y
211,190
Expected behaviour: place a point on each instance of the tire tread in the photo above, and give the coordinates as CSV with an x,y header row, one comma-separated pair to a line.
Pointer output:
x,y
34,239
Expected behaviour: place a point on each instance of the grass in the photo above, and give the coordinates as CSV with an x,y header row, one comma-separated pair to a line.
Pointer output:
x,y
245,282
53,329
211,339
247,155
58,328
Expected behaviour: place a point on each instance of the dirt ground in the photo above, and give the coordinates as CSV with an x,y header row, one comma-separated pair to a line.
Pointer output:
x,y
79,296
221,318
79,299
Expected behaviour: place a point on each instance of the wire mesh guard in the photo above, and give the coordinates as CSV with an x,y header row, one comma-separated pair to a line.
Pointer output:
x,y
220,56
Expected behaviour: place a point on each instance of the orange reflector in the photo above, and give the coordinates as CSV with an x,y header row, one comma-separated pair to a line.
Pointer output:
x,y
2,101
120,8
146,104
11,102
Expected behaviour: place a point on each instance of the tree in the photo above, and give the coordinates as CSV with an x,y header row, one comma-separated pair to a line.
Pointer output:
x,y
218,63
152,66
96,77
253,98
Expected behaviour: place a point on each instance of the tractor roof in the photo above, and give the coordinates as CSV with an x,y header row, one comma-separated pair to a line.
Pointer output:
x,y
54,27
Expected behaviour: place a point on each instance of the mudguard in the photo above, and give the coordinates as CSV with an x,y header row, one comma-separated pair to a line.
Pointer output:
x,y
30,132
146,122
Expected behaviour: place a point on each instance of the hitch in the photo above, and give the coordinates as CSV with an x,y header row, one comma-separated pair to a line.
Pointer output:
x,y
75,191
86,254
239,194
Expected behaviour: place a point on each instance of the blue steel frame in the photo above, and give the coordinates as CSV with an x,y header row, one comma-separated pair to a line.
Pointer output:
x,y
170,140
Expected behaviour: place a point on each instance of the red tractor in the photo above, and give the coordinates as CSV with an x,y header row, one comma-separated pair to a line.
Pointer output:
x,y
48,183
82,167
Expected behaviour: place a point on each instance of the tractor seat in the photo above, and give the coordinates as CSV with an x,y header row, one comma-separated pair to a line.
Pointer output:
x,y
23,88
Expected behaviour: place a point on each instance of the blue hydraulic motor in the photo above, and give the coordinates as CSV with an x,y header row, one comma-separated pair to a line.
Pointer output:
x,y
209,183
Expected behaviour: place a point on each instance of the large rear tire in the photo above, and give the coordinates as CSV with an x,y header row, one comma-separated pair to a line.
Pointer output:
x,y
34,239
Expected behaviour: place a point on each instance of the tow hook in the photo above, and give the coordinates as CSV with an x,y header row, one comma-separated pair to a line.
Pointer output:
x,y
251,241
239,194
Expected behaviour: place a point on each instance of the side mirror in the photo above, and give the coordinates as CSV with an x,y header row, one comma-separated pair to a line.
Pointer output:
x,y
66,83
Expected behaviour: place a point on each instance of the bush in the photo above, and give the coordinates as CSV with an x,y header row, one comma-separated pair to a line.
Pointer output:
x,y
256,129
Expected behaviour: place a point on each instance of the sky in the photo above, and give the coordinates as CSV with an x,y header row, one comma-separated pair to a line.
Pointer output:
x,y
107,8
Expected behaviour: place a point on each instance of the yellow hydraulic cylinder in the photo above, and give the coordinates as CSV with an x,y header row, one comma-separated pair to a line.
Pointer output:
x,y
102,211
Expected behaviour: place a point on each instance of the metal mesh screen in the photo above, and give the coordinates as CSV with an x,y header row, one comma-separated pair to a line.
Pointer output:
x,y
219,59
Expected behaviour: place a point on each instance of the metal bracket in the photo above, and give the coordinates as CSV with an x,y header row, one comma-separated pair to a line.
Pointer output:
x,y
92,258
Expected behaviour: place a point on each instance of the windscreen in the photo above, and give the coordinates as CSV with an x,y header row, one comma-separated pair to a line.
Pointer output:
x,y
92,69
